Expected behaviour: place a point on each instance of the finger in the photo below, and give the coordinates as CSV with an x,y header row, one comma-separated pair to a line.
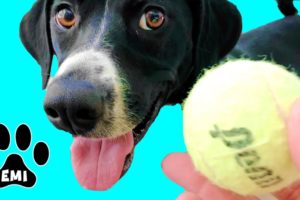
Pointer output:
x,y
294,133
290,193
188,196
179,168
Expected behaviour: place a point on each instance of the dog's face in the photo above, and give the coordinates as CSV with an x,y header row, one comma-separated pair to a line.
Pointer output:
x,y
120,61
123,58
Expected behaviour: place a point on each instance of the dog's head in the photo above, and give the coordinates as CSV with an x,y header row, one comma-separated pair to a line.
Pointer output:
x,y
120,61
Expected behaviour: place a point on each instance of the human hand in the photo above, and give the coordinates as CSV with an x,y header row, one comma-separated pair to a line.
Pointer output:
x,y
179,168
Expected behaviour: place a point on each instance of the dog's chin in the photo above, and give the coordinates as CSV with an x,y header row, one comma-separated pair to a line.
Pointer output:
x,y
140,130
99,163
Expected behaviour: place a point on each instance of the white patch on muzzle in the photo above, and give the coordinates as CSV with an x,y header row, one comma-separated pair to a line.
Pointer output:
x,y
92,58
86,61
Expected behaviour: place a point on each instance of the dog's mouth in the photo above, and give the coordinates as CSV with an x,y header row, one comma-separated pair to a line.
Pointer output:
x,y
99,163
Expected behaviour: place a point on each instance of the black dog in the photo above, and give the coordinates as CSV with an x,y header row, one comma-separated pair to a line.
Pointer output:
x,y
120,62
277,42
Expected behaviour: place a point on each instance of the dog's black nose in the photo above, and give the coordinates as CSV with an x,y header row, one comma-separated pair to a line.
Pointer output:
x,y
73,105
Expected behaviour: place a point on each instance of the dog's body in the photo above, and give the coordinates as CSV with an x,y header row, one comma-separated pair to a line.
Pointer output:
x,y
277,41
122,60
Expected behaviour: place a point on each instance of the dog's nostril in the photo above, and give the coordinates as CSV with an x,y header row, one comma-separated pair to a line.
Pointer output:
x,y
86,114
52,113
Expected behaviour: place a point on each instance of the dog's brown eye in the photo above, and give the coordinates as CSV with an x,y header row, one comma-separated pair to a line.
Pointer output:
x,y
152,19
66,18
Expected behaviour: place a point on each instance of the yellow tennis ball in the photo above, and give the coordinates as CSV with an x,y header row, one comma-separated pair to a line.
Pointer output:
x,y
235,126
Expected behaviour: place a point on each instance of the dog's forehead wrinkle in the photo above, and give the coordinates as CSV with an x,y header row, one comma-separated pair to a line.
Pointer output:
x,y
101,33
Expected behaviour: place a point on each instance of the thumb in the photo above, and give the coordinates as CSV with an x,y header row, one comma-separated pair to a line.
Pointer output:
x,y
293,124
180,169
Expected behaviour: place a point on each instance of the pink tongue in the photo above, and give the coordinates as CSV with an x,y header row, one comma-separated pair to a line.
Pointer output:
x,y
98,163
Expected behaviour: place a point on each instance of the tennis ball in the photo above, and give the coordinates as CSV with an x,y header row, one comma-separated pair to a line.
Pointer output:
x,y
235,126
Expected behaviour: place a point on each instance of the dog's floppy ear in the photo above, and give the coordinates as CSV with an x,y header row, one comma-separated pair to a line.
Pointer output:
x,y
217,28
35,35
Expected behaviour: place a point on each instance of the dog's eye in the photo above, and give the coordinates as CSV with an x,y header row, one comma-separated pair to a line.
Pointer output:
x,y
66,18
152,19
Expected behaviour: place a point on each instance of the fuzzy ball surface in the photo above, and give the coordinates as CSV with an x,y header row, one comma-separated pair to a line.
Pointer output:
x,y
235,126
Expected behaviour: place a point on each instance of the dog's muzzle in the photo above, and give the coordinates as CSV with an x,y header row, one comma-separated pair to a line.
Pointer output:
x,y
83,94
85,99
